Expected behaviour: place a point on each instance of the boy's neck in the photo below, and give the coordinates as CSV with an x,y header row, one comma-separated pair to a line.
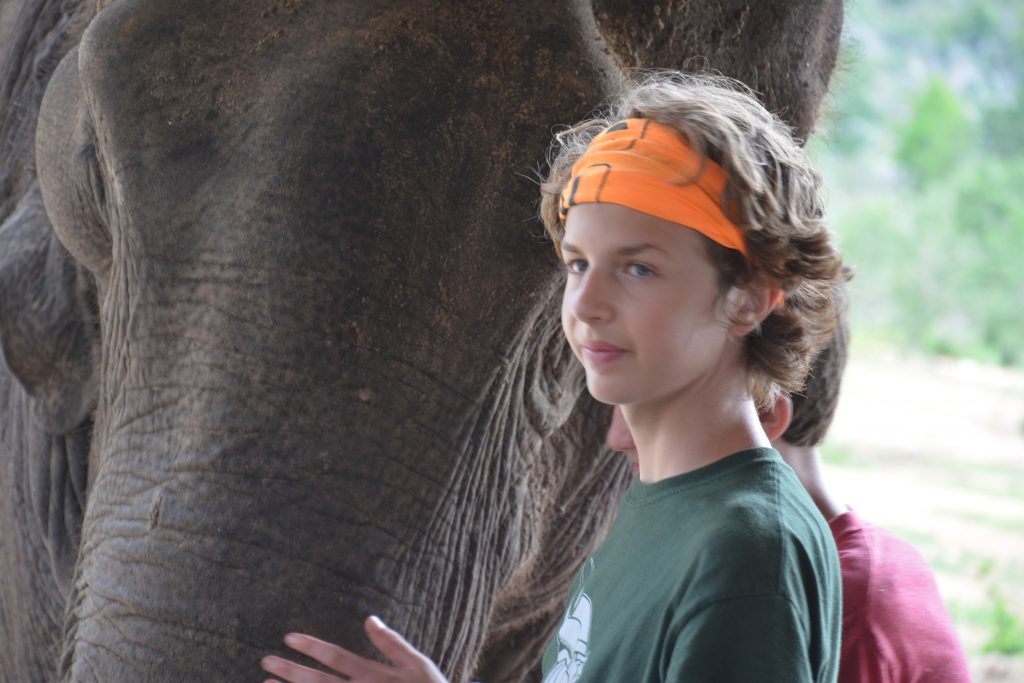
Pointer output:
x,y
806,462
687,432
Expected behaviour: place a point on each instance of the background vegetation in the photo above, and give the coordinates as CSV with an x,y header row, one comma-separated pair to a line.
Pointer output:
x,y
923,148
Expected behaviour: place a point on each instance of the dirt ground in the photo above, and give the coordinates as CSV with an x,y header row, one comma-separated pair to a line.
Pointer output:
x,y
934,451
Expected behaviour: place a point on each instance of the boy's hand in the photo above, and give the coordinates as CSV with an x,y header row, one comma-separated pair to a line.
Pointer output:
x,y
410,665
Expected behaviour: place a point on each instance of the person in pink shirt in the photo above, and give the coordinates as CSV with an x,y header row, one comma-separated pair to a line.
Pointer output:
x,y
895,626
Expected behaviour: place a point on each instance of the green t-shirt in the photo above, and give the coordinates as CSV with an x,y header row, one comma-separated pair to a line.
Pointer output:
x,y
726,573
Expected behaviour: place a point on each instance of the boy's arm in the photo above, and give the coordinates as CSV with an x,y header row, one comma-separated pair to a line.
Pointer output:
x,y
755,638
410,665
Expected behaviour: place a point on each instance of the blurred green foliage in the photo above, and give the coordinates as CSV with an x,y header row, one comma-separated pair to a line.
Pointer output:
x,y
922,147
934,140
1006,631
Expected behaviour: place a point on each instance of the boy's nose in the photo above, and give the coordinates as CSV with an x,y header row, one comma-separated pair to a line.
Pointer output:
x,y
590,302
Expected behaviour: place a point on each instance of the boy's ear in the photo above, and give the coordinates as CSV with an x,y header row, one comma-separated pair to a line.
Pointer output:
x,y
775,420
748,306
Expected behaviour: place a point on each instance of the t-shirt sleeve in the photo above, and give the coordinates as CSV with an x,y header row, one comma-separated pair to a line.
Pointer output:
x,y
755,638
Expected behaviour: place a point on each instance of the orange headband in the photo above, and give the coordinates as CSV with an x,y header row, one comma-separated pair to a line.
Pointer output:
x,y
647,166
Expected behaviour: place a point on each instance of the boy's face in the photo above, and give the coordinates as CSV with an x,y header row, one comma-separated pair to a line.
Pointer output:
x,y
641,308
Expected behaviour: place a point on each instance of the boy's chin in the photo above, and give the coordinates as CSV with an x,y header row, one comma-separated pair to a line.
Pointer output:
x,y
604,392
606,398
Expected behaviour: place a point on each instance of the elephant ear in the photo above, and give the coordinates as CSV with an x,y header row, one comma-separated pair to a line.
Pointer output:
x,y
48,321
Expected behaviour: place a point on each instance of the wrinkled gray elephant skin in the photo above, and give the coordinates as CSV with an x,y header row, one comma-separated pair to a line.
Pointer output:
x,y
279,329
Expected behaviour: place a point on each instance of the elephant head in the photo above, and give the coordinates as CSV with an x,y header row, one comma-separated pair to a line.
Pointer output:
x,y
315,324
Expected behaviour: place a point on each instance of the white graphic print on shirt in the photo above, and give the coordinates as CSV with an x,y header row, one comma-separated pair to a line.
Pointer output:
x,y
573,635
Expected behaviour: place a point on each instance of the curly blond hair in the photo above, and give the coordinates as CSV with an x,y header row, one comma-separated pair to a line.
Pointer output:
x,y
772,194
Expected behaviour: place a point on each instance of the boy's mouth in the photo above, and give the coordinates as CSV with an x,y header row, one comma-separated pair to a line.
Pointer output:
x,y
601,352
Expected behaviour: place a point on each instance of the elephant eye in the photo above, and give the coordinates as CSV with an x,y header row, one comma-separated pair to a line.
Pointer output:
x,y
71,176
94,175
78,210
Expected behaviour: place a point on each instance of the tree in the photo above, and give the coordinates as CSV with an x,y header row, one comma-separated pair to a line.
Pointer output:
x,y
936,137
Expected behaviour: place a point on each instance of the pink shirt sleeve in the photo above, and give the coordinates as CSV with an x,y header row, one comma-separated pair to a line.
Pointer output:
x,y
895,626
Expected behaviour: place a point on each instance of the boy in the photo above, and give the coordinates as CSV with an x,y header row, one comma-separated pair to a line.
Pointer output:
x,y
895,627
699,274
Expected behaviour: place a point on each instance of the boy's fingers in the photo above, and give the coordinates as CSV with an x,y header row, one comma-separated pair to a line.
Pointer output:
x,y
296,673
334,657
392,645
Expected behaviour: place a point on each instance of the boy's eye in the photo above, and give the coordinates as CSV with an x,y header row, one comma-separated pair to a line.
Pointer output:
x,y
576,265
640,270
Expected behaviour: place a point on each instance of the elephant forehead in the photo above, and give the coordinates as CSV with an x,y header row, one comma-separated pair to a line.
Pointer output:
x,y
185,92
284,126
174,80
333,182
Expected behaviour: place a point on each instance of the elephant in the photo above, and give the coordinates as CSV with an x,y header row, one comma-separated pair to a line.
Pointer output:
x,y
280,329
